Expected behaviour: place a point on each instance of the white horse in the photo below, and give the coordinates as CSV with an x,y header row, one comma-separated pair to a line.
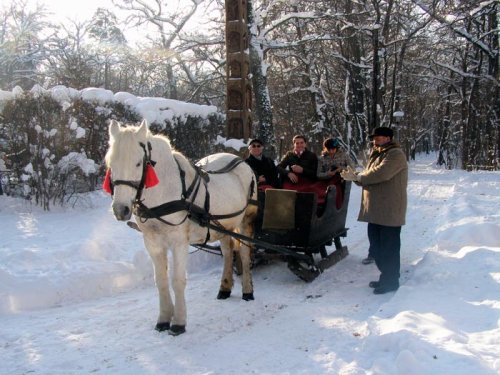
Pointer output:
x,y
169,213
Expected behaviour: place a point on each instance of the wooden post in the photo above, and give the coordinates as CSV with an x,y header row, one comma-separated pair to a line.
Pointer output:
x,y
238,88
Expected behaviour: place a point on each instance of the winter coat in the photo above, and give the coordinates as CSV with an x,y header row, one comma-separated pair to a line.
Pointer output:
x,y
264,167
384,183
326,162
307,160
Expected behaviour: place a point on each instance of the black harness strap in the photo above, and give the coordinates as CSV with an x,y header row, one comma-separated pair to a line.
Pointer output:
x,y
253,202
183,178
162,210
198,176
133,184
181,205
228,167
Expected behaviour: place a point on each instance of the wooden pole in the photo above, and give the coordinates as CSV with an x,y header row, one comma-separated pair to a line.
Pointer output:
x,y
238,87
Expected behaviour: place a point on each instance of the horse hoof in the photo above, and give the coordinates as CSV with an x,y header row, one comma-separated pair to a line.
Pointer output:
x,y
160,327
224,294
247,296
176,330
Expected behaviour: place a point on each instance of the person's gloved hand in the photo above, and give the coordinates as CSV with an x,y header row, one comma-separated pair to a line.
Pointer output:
x,y
349,174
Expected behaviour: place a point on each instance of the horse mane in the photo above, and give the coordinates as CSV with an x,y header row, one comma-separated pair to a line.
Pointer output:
x,y
163,140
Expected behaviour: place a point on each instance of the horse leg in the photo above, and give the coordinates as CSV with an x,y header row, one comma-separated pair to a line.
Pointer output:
x,y
180,256
226,283
245,255
160,262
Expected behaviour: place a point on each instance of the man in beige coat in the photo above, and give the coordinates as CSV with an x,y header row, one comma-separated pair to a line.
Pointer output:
x,y
383,205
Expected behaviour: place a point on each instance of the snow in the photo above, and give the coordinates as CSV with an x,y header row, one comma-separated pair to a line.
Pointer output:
x,y
235,144
80,160
6,95
77,295
154,110
98,95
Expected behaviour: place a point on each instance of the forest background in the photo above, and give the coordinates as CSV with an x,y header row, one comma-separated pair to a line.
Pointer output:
x,y
427,68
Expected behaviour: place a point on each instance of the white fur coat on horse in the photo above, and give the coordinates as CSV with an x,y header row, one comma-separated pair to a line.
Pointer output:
x,y
169,213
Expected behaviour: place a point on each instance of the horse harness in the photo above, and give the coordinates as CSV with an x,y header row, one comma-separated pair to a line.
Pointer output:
x,y
200,215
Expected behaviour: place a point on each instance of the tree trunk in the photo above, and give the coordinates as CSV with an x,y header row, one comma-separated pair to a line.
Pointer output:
x,y
263,110
375,121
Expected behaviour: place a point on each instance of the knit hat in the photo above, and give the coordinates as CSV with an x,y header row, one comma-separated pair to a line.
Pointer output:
x,y
331,143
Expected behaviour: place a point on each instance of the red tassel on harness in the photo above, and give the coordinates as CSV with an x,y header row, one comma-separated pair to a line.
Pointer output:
x,y
151,178
106,185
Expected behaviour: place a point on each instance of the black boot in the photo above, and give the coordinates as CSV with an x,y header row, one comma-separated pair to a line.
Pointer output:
x,y
382,289
374,284
368,260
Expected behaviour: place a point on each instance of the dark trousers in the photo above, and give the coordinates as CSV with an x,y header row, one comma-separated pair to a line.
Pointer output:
x,y
385,246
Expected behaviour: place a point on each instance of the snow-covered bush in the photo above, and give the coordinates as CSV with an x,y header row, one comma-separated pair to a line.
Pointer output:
x,y
55,144
193,136
55,140
36,135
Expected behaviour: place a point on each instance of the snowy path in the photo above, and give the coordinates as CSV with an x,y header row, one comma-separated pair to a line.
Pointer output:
x,y
443,319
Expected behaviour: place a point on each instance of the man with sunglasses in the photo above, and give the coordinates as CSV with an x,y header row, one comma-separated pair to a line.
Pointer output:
x,y
263,167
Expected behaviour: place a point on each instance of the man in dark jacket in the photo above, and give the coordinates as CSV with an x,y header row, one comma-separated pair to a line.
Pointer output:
x,y
383,205
263,167
300,162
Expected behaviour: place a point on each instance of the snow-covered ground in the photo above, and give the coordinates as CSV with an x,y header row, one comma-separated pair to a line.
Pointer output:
x,y
77,296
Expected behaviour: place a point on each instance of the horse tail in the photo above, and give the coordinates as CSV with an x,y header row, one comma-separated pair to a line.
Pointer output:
x,y
253,191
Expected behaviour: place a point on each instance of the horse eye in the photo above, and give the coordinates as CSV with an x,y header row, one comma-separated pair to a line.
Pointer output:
x,y
138,164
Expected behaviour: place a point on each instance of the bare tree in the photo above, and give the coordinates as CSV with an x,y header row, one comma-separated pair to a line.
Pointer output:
x,y
68,61
22,45
168,22
110,46
263,109
474,79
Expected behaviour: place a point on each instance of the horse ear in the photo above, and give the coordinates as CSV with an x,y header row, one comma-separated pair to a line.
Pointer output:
x,y
143,129
114,128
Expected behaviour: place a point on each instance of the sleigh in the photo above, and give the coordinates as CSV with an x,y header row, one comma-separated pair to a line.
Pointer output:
x,y
297,227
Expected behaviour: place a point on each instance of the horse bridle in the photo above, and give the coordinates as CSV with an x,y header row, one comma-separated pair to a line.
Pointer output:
x,y
137,185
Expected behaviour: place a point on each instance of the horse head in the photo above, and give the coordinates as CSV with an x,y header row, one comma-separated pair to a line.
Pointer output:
x,y
127,160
